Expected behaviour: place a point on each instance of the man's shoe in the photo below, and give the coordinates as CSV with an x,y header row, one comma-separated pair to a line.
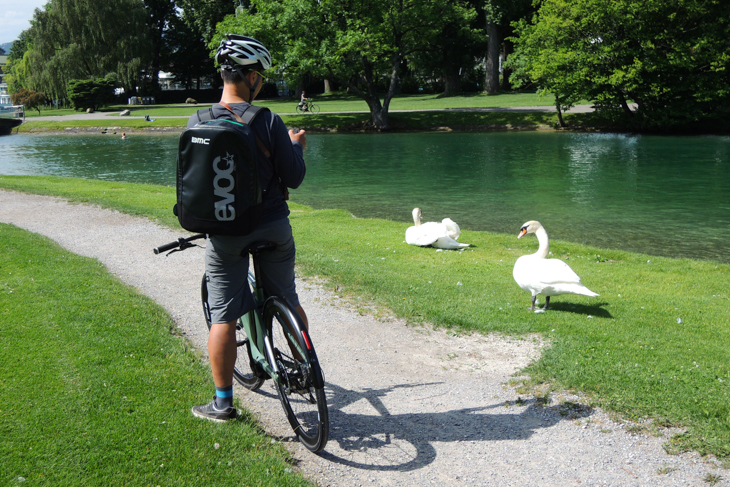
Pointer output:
x,y
209,412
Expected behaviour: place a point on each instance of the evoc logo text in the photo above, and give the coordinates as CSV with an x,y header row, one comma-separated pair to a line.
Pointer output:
x,y
224,186
198,140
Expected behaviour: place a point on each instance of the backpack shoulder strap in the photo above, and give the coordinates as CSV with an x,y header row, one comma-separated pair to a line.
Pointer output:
x,y
205,114
247,118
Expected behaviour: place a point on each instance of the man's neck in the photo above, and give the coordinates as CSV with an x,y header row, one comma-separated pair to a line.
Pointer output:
x,y
233,93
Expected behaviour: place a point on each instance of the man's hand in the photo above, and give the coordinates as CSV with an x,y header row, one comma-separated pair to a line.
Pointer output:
x,y
300,136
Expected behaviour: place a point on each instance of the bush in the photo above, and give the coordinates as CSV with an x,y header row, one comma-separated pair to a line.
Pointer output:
x,y
90,93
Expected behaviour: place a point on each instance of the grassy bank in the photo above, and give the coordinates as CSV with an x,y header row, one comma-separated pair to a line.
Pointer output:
x,y
655,344
347,122
336,102
96,386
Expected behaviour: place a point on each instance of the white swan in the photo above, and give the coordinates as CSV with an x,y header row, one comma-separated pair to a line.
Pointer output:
x,y
440,235
549,277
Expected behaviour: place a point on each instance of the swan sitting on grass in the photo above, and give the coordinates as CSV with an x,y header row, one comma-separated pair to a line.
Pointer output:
x,y
549,277
440,235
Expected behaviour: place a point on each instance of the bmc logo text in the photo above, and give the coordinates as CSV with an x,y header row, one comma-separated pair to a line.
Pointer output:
x,y
198,140
223,186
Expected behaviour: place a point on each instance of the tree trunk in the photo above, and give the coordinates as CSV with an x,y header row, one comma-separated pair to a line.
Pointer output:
x,y
327,87
625,105
560,112
491,81
507,50
452,84
452,79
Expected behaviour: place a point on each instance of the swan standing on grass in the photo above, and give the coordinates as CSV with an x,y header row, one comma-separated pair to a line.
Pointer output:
x,y
549,277
440,235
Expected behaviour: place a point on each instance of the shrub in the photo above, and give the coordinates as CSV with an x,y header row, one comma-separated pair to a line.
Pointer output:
x,y
90,93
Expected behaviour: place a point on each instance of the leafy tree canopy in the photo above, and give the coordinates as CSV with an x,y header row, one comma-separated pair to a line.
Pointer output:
x,y
202,16
29,98
361,44
79,39
669,57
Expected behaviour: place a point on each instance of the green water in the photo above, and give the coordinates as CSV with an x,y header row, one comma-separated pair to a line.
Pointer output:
x,y
658,195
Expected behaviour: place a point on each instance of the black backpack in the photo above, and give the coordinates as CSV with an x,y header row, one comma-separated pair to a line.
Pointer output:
x,y
218,186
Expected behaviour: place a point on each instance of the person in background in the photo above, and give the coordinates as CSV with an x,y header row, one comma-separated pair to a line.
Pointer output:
x,y
303,100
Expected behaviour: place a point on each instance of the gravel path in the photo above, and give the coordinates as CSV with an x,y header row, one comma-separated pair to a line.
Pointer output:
x,y
409,406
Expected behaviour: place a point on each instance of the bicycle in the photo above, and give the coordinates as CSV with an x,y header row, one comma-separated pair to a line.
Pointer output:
x,y
278,347
307,107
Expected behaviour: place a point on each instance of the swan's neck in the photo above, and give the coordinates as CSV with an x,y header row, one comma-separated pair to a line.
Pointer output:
x,y
416,219
542,238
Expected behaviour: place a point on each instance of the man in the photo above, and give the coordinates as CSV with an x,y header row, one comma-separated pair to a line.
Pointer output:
x,y
242,60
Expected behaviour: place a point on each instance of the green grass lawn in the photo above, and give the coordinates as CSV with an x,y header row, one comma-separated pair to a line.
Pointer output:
x,y
97,385
655,344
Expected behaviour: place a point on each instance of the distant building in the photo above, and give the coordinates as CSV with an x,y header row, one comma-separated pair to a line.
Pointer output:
x,y
167,82
4,95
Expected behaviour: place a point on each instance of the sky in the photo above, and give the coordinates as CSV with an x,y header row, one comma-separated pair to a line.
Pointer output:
x,y
15,17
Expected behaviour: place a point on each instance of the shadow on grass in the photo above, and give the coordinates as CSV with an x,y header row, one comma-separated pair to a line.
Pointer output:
x,y
594,310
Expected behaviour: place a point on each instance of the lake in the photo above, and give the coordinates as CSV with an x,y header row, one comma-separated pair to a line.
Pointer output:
x,y
658,195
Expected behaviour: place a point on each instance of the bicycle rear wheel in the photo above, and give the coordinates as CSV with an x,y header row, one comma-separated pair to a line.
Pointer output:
x,y
300,109
301,384
243,371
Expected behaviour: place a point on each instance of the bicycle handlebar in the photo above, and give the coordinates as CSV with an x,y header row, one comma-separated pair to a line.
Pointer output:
x,y
182,242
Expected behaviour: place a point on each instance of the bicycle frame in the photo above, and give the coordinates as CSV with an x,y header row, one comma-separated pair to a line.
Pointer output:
x,y
260,349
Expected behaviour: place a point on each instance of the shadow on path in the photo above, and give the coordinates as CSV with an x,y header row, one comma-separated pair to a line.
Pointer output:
x,y
403,442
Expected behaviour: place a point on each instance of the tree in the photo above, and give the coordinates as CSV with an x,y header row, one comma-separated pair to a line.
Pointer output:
x,y
189,59
670,58
86,39
159,16
88,93
360,44
17,64
499,16
203,16
30,99
463,39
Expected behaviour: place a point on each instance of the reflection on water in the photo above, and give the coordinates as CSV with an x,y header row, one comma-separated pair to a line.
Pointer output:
x,y
140,159
657,195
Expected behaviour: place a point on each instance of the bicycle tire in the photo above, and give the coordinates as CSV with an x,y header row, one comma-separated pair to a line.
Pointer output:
x,y
300,109
313,108
301,385
243,371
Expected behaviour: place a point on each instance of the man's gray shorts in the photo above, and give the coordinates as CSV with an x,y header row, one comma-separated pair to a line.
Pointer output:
x,y
229,295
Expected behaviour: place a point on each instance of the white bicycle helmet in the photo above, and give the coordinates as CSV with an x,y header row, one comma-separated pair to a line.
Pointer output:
x,y
236,51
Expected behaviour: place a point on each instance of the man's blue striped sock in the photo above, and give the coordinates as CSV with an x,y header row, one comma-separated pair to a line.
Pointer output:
x,y
224,397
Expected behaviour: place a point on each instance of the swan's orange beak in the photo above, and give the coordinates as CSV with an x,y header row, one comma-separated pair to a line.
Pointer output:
x,y
523,231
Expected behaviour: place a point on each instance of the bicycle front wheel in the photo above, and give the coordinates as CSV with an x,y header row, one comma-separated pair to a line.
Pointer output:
x,y
313,108
301,383
243,371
